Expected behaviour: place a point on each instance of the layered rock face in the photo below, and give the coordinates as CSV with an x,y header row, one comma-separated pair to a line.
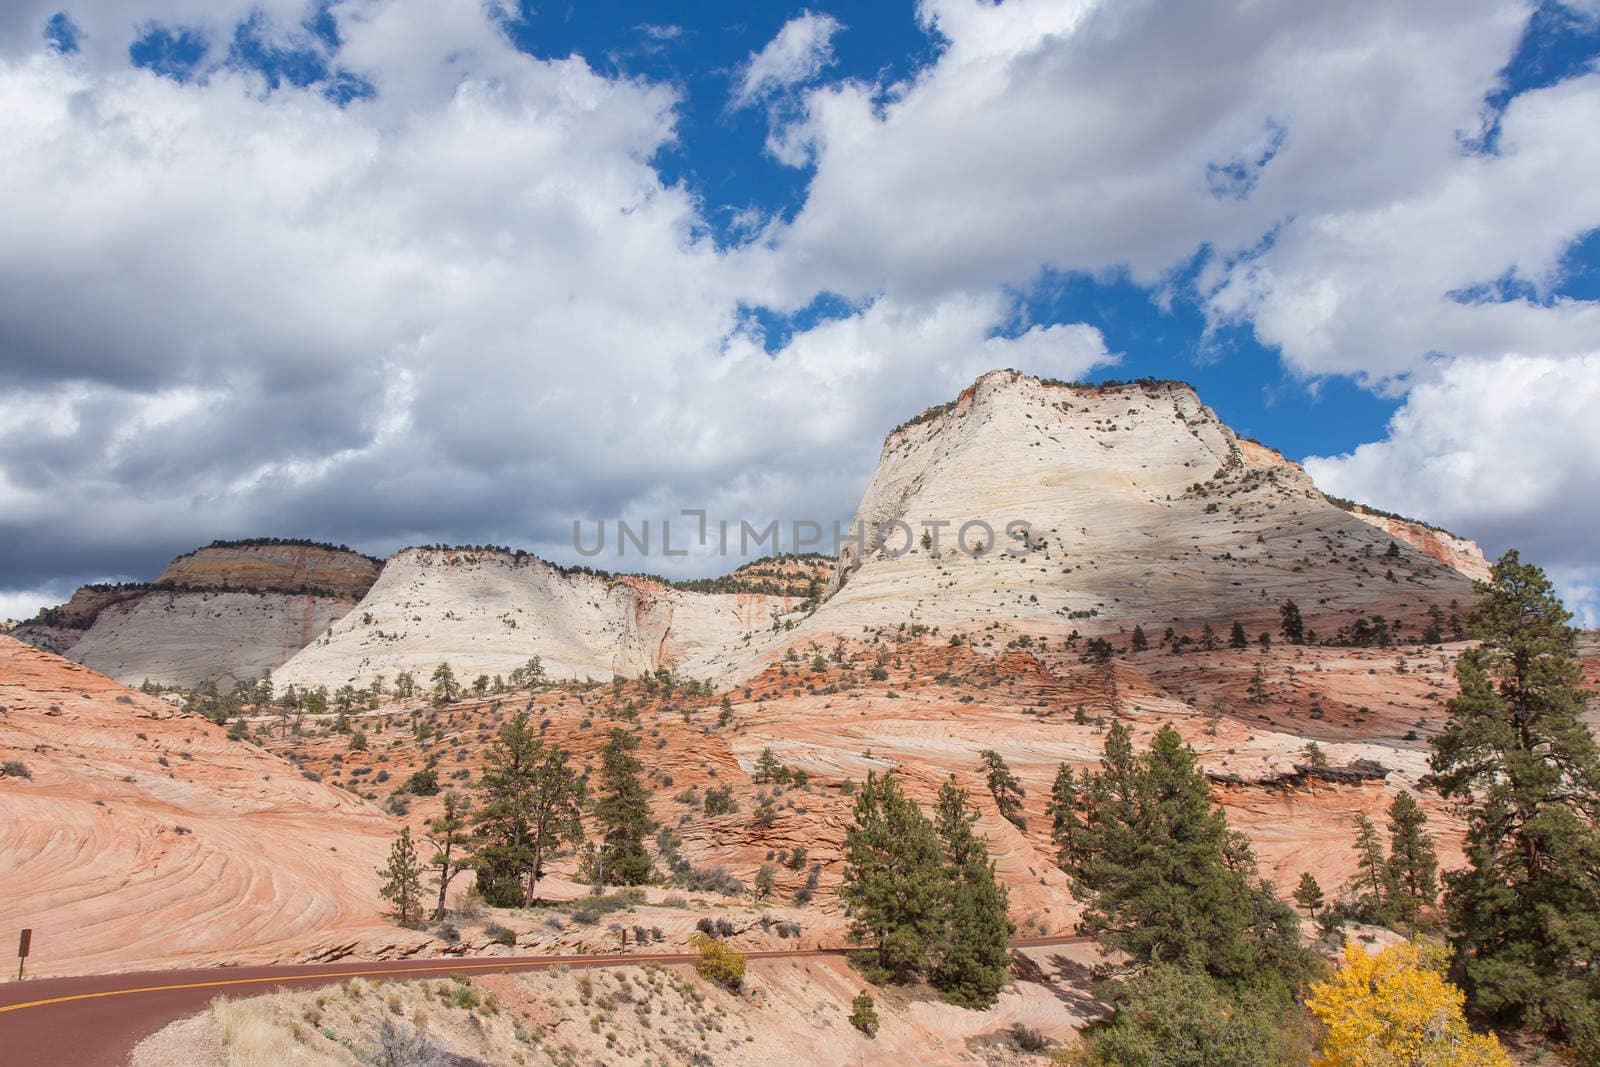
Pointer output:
x,y
1143,509
488,612
1442,545
139,836
188,638
274,568
220,614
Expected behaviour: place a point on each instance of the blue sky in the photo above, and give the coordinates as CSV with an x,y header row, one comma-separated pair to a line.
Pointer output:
x,y
386,271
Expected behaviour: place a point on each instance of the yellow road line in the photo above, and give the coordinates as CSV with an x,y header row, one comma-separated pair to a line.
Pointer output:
x,y
397,971
481,964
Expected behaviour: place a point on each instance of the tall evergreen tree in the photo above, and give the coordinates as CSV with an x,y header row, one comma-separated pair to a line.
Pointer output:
x,y
893,885
451,854
1164,879
402,878
1066,827
445,687
1413,863
504,819
1237,638
1370,882
1292,625
1004,787
973,957
1523,768
555,808
623,812
1138,642
1308,894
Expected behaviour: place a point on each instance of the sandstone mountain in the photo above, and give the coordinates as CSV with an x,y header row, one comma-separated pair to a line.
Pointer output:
x,y
489,611
1142,509
226,612
135,835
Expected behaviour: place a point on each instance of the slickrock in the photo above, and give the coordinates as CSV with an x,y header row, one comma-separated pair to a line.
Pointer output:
x,y
187,638
140,836
1145,509
488,612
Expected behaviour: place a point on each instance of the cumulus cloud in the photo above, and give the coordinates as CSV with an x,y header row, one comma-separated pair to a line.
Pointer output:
x,y
468,306
1092,137
1502,448
802,49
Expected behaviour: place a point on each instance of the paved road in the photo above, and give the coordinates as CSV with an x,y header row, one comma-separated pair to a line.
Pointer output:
x,y
95,1021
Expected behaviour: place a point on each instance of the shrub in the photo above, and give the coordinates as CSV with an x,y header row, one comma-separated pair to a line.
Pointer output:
x,y
1028,1039
719,800
864,1014
15,768
424,783
501,935
718,963
400,1046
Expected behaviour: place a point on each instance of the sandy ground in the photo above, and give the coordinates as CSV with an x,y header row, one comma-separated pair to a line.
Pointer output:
x,y
787,1011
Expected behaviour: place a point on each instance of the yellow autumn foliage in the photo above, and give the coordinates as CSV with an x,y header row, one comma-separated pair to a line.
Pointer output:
x,y
1396,1009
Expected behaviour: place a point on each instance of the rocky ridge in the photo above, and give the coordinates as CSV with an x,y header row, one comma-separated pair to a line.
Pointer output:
x,y
489,612
220,614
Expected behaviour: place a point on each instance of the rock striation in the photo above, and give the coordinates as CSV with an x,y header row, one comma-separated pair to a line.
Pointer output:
x,y
135,835
1141,507
489,612
220,614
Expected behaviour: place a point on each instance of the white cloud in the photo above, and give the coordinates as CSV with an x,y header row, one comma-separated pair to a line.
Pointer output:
x,y
1096,136
470,306
1504,449
26,603
1368,291
800,51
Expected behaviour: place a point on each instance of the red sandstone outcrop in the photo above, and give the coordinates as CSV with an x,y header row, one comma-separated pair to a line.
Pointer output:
x,y
133,835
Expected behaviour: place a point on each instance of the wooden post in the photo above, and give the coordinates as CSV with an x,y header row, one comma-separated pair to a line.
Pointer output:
x,y
22,951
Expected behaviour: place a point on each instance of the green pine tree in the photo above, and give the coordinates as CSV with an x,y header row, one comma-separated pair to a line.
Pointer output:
x,y
893,884
1308,894
451,848
1292,625
1065,825
767,766
1166,881
623,812
1413,864
973,957
1369,885
445,687
1237,638
402,878
1524,770
1004,787
504,819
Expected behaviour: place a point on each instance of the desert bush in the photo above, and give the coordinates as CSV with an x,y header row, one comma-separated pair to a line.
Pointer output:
x,y
718,963
400,1046
1028,1039
864,1014
15,768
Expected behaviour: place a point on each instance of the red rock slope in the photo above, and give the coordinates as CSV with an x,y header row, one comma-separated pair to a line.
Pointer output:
x,y
133,835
